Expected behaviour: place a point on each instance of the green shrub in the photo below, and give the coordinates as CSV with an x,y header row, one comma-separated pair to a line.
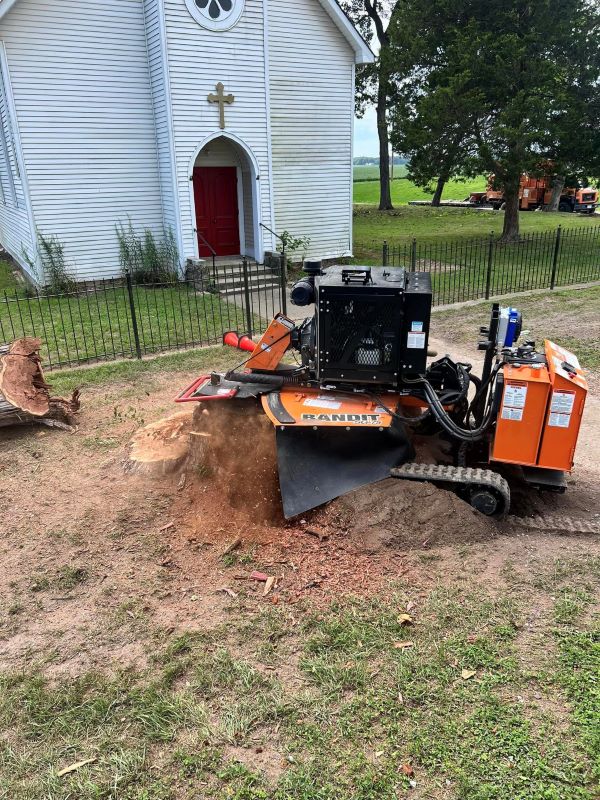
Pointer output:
x,y
145,259
55,275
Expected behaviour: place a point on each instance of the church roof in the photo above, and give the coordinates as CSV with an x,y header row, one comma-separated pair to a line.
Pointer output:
x,y
362,51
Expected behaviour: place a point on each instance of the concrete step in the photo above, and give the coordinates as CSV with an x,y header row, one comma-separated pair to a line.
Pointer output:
x,y
253,287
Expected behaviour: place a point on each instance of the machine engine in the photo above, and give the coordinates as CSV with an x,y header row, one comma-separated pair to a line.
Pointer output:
x,y
371,325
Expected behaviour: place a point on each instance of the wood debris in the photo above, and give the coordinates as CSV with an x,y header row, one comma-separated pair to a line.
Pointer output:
x,y
24,394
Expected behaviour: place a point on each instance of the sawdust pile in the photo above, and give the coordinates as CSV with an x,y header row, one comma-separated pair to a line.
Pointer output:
x,y
404,515
227,455
233,444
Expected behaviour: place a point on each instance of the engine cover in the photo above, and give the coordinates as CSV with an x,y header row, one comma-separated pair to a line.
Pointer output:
x,y
372,325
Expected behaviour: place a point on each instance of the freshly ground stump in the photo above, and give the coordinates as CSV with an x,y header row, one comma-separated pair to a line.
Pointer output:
x,y
162,447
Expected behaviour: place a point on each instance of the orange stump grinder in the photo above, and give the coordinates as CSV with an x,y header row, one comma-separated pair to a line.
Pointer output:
x,y
347,413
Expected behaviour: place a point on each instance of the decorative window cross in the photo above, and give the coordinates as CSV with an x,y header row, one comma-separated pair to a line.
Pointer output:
x,y
221,99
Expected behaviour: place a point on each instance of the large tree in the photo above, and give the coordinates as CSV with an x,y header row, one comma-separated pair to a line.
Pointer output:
x,y
513,60
435,132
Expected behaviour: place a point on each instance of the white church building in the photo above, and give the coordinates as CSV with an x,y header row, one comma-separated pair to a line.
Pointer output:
x,y
208,117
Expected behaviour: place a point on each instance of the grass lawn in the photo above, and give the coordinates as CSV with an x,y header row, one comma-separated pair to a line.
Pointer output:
x,y
7,280
332,705
372,227
404,190
130,371
90,325
453,244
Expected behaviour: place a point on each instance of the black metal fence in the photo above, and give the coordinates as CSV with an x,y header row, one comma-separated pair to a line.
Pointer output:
x,y
470,269
107,320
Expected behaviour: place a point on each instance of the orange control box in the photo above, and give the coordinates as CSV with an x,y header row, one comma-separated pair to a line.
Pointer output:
x,y
522,414
565,408
539,419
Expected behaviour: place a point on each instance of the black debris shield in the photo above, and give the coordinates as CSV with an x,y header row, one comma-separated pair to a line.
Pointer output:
x,y
316,466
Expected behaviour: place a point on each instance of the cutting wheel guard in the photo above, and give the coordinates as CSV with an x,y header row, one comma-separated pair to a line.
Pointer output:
x,y
316,466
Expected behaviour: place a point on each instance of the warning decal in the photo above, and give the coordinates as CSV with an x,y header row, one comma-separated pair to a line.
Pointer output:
x,y
559,420
515,395
514,414
415,341
562,402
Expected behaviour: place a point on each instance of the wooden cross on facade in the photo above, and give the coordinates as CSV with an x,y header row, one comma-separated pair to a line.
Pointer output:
x,y
221,99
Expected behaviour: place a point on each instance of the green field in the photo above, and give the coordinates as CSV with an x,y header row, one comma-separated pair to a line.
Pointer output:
x,y
434,224
404,190
368,172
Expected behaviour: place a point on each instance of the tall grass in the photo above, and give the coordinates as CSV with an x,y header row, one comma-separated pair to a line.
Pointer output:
x,y
145,259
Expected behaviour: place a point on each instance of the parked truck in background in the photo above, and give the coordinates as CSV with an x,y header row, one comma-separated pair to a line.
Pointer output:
x,y
536,192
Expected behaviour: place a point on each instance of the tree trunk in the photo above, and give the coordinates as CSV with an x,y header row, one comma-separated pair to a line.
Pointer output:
x,y
558,184
510,231
437,195
25,395
385,197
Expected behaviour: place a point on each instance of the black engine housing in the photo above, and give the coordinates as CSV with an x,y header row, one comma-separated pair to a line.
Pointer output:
x,y
372,325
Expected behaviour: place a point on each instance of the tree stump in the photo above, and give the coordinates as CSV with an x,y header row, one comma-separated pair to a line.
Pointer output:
x,y
24,394
162,447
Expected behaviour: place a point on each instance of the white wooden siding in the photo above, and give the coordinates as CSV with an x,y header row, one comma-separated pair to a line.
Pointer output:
x,y
81,84
159,76
15,224
198,60
312,111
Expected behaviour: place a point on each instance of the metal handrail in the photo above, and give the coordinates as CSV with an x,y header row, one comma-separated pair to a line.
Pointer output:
x,y
283,274
212,250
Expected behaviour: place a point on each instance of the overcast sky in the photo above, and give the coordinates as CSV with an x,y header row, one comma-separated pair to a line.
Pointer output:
x,y
365,135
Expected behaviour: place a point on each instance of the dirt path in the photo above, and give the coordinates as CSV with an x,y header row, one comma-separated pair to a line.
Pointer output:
x,y
95,562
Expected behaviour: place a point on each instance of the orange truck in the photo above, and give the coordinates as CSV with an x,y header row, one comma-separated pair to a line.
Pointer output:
x,y
536,192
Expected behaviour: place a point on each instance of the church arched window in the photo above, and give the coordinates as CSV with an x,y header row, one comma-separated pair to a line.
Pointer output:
x,y
216,15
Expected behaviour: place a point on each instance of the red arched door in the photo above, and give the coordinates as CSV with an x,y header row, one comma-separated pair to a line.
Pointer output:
x,y
217,212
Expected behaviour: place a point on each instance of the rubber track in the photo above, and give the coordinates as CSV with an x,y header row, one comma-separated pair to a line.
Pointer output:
x,y
469,476
459,476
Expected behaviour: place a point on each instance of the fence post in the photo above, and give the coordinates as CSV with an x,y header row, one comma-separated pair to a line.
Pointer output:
x,y
385,254
283,281
134,325
555,258
249,330
413,256
488,276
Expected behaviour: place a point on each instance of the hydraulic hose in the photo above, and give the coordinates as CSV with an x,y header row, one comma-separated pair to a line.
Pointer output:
x,y
446,422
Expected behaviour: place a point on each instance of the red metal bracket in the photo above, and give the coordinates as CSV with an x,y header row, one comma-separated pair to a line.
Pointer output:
x,y
187,396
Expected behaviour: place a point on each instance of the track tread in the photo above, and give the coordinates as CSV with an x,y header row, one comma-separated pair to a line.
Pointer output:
x,y
475,476
558,524
458,476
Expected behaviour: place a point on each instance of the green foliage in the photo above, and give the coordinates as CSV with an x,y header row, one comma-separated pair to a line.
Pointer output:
x,y
294,243
54,274
496,87
145,259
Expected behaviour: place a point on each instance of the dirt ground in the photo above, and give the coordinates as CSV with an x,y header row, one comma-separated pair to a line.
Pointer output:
x,y
96,559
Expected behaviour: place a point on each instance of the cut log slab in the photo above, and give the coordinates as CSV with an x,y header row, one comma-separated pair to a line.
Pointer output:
x,y
24,394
